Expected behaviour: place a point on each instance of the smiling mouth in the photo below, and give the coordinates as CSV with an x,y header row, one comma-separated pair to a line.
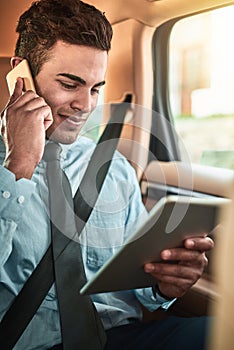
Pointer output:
x,y
73,120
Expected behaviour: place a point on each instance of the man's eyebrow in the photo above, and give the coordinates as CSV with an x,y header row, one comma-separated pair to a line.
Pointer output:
x,y
79,79
100,84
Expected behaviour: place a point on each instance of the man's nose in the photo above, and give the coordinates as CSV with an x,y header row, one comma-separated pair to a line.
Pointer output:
x,y
82,102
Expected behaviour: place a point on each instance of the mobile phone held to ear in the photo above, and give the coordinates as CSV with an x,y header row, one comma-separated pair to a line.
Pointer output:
x,y
22,70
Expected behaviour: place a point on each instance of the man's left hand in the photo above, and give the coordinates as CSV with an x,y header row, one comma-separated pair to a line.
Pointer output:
x,y
185,267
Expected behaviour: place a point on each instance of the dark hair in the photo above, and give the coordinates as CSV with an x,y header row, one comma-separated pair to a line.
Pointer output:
x,y
71,21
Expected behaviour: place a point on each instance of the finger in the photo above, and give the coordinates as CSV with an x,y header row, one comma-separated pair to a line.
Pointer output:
x,y
202,244
48,118
16,94
18,90
18,97
31,102
27,97
203,262
192,273
182,254
41,113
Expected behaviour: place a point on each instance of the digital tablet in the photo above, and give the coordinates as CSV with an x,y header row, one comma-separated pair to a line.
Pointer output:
x,y
170,222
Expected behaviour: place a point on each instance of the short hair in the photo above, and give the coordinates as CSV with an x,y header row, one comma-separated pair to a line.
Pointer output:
x,y
71,21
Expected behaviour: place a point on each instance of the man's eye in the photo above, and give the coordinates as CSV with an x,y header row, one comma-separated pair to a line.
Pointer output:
x,y
95,91
67,86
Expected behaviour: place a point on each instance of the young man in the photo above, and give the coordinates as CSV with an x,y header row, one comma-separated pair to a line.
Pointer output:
x,y
66,43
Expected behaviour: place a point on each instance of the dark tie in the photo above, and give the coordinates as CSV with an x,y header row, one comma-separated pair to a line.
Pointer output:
x,y
81,327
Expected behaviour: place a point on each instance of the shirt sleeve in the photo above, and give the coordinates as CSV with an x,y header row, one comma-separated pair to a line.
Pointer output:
x,y
14,195
152,300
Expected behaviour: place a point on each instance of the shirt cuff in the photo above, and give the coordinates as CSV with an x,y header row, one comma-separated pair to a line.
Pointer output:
x,y
160,299
151,300
13,194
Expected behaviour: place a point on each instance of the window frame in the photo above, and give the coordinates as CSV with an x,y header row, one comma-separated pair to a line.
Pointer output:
x,y
169,151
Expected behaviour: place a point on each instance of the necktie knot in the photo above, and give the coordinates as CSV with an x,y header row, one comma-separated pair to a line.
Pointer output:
x,y
52,152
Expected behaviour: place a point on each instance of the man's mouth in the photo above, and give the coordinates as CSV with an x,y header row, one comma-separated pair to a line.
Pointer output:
x,y
74,120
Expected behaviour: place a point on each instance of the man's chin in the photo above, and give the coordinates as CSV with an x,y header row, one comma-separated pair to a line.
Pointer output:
x,y
64,137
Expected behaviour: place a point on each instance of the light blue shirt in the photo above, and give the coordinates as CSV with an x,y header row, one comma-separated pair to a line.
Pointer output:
x,y
25,236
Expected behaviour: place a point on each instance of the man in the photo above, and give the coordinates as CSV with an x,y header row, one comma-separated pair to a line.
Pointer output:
x,y
66,43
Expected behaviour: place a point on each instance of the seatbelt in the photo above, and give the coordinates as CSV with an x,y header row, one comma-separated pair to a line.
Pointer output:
x,y
30,297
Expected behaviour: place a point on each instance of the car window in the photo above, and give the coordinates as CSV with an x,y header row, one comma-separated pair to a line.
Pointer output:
x,y
201,86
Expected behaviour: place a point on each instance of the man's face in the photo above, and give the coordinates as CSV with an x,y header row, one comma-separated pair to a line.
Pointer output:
x,y
70,82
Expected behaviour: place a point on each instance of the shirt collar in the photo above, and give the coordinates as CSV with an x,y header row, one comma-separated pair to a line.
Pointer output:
x,y
65,147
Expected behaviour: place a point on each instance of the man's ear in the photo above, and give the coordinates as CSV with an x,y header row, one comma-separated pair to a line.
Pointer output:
x,y
15,61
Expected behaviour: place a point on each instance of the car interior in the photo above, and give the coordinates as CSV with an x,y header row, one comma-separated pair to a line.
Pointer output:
x,y
139,68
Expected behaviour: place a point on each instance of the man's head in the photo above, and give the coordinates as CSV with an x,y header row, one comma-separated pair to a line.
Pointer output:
x,y
66,44
71,21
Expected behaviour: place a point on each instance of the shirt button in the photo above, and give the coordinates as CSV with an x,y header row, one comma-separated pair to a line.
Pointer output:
x,y
6,194
20,199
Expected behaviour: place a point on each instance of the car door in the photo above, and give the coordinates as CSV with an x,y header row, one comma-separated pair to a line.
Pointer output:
x,y
197,118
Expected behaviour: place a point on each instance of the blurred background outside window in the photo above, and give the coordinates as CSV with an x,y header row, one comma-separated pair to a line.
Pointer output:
x,y
202,86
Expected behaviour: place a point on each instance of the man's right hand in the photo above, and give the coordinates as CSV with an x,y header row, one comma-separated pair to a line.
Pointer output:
x,y
25,120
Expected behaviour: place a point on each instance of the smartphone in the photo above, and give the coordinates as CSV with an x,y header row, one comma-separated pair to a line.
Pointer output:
x,y
22,70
